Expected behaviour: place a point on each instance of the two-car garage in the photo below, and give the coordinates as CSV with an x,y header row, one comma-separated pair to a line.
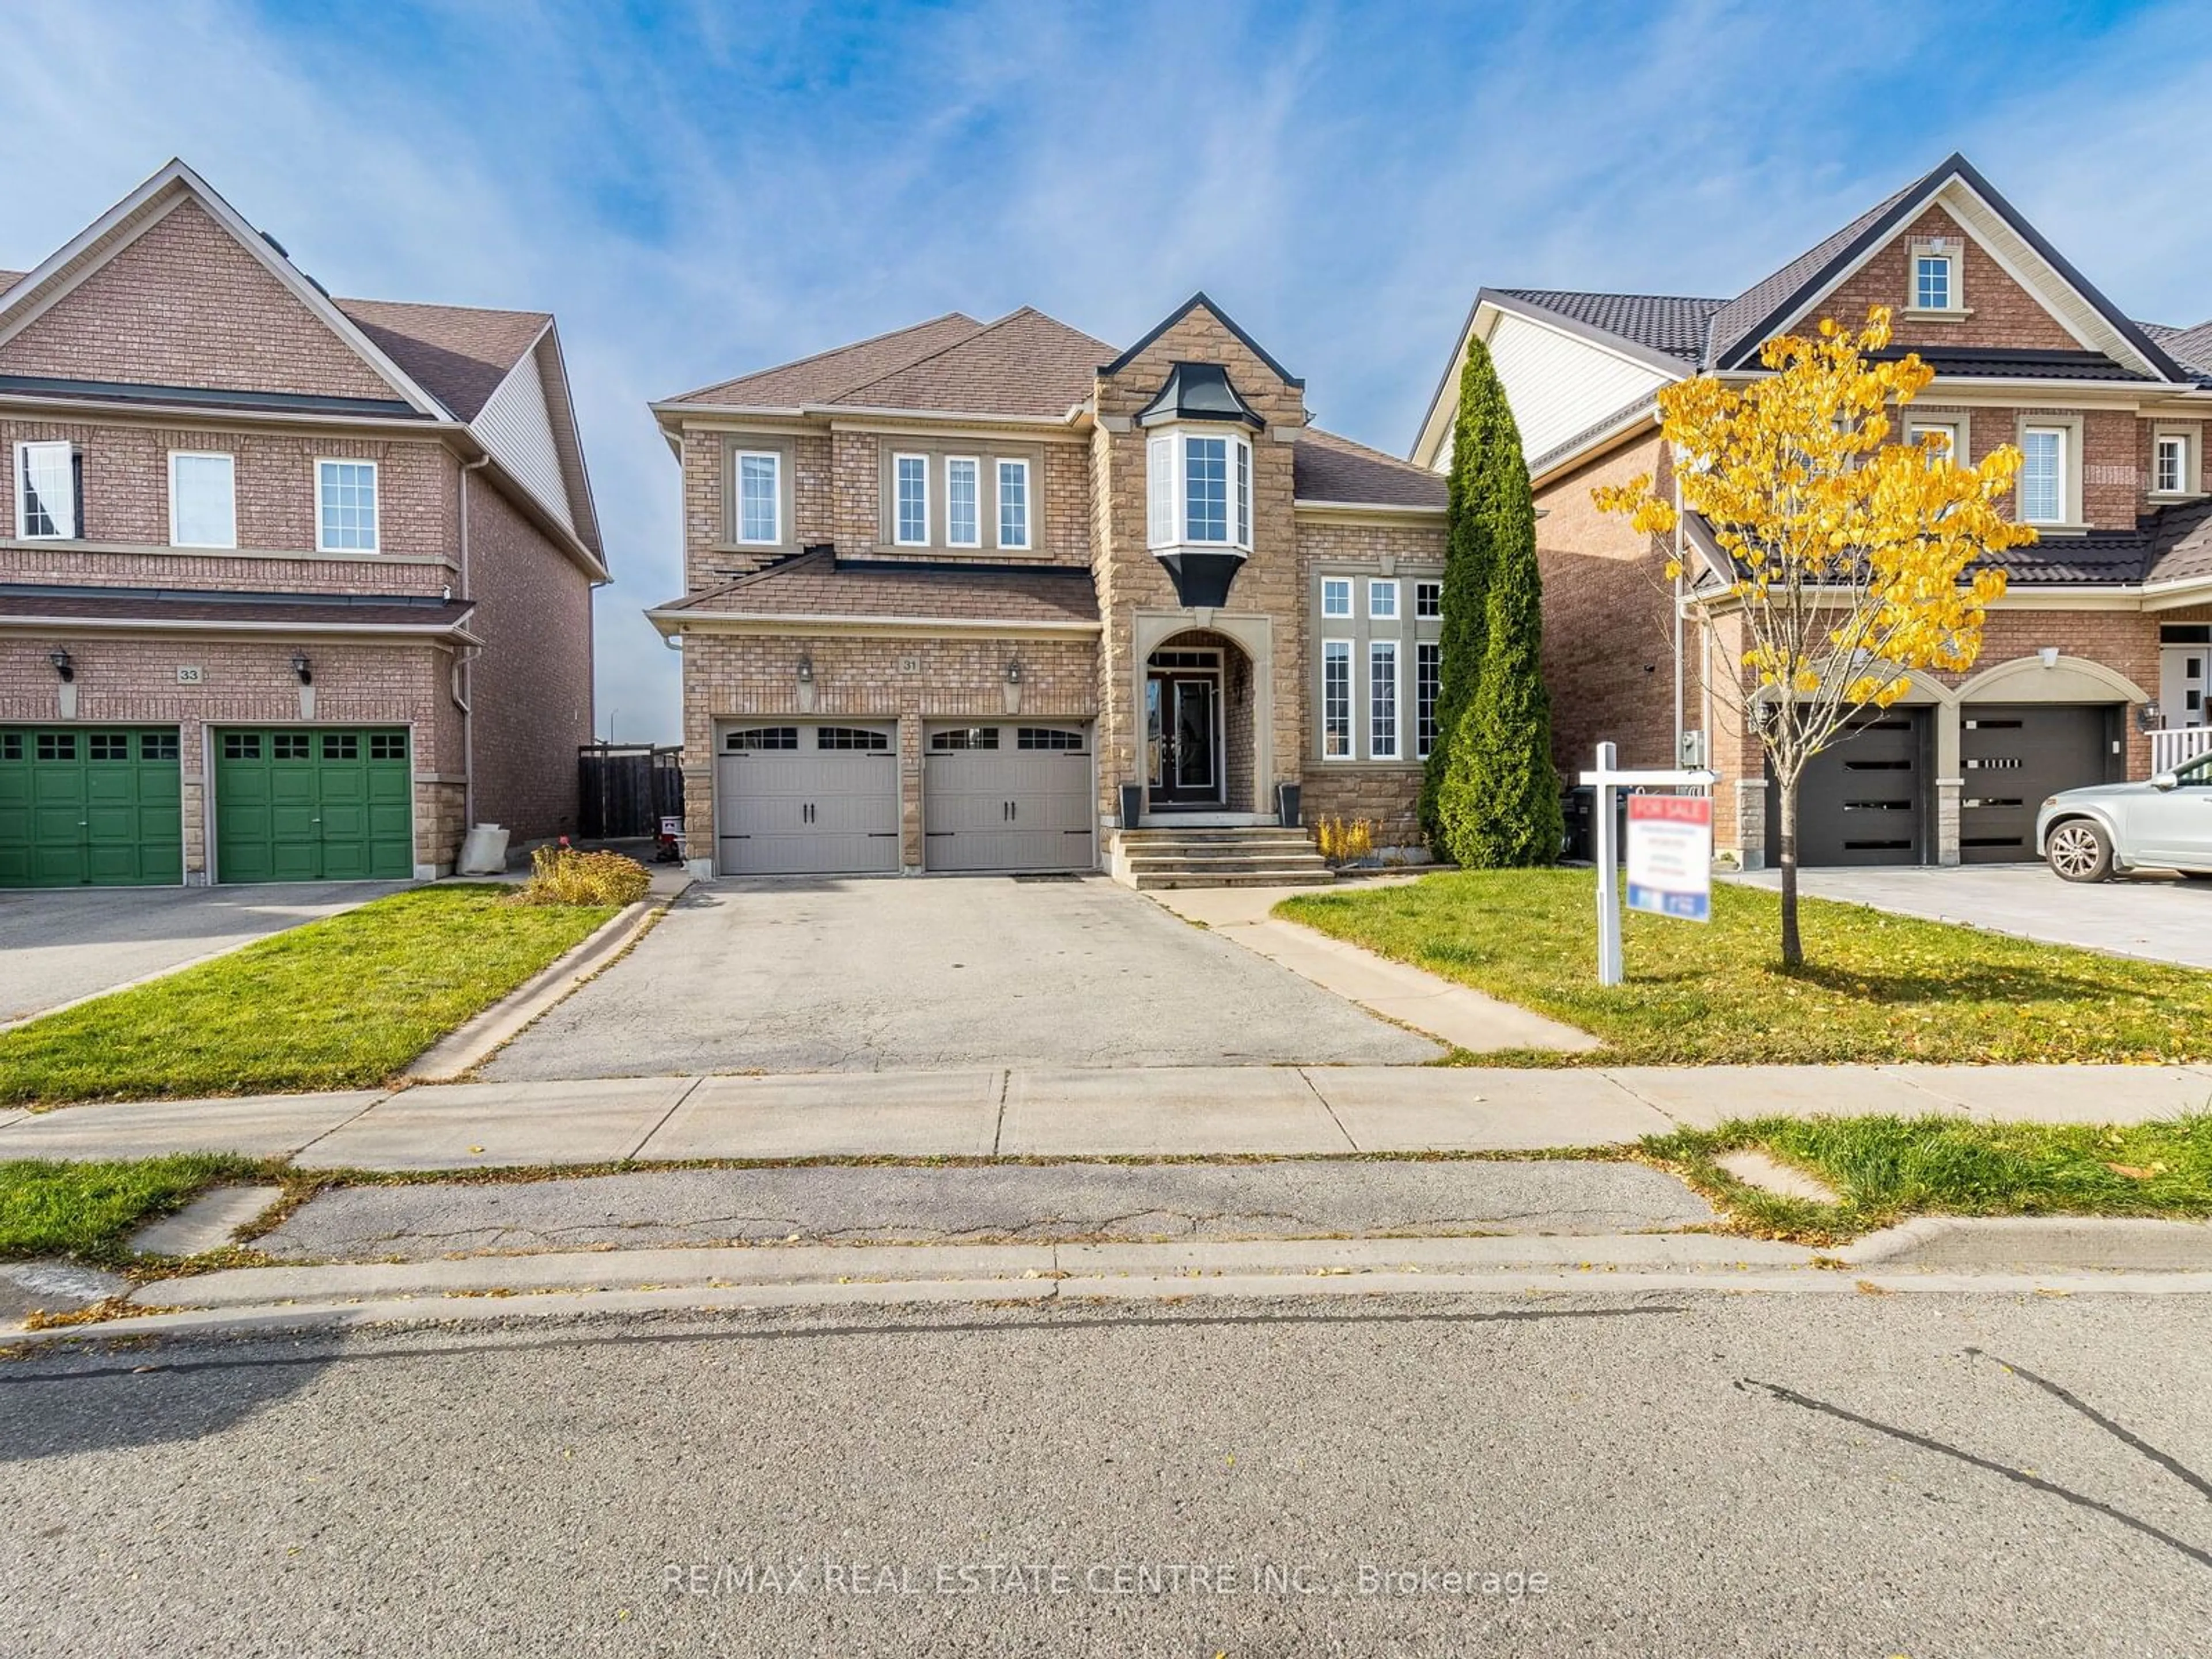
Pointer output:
x,y
102,806
824,796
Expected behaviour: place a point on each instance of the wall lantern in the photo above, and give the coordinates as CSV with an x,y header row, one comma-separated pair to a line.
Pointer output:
x,y
806,670
2050,655
2149,717
60,657
1013,673
302,670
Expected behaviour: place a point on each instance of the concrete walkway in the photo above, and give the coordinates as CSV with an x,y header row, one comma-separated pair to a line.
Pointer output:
x,y
1133,1112
1407,995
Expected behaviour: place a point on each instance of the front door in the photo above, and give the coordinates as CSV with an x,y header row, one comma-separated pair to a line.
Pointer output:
x,y
1183,719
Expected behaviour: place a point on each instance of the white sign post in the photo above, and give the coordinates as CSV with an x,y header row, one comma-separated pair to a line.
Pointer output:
x,y
1607,779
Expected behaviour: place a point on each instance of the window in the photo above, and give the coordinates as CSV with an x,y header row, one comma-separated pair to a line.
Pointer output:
x,y
964,738
2169,472
1931,282
337,746
851,736
157,745
57,746
963,521
760,737
1382,600
1428,676
1940,438
11,745
110,746
1336,596
1336,699
49,492
241,746
2043,475
1428,601
292,745
387,746
345,519
1206,490
1013,504
1382,700
1048,736
1198,489
759,497
203,500
911,474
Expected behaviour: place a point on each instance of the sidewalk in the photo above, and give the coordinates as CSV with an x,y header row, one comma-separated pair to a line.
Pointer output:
x,y
1130,1112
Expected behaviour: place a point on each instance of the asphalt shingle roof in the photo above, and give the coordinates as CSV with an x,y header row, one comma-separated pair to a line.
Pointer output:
x,y
826,376
1673,324
1025,363
2190,347
2181,542
1327,468
457,353
820,584
1736,322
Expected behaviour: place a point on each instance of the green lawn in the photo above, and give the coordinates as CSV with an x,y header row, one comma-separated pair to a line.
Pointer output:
x,y
88,1210
1876,987
1886,1169
340,1003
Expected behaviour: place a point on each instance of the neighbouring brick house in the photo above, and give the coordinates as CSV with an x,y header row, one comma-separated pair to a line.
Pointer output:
x,y
2093,666
1006,597
291,587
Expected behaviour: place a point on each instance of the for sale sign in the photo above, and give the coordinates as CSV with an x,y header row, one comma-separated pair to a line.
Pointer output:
x,y
1670,855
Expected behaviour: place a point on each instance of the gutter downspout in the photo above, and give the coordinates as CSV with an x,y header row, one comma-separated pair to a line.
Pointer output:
x,y
462,666
1679,668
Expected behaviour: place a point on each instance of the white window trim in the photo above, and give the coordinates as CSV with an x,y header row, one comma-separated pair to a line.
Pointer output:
x,y
899,537
1421,751
1952,254
1950,264
1955,437
976,462
998,466
2070,449
2188,483
375,500
22,527
1396,751
176,535
1383,585
1350,704
738,459
1237,474
1327,582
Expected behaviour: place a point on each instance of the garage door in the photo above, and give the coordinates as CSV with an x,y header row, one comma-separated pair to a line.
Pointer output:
x,y
795,800
309,803
1864,799
90,806
2010,758
1008,798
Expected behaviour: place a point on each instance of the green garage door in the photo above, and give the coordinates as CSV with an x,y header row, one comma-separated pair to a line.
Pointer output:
x,y
90,806
299,804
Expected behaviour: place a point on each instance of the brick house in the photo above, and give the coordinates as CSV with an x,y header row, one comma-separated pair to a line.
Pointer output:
x,y
290,587
1006,597
2093,666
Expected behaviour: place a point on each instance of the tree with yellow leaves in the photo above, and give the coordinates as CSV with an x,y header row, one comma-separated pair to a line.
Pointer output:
x,y
1846,560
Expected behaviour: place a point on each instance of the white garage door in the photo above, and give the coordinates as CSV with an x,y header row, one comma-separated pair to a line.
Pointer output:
x,y
1008,798
815,799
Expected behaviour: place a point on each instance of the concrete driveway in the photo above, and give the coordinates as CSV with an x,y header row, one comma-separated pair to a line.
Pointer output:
x,y
2161,918
57,945
860,975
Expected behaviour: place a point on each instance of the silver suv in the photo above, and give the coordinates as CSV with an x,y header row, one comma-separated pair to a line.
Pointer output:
x,y
2085,835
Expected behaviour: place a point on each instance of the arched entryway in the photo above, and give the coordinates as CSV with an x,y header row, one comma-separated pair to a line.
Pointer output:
x,y
1197,747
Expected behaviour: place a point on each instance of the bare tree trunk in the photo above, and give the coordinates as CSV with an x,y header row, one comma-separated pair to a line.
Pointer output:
x,y
1793,948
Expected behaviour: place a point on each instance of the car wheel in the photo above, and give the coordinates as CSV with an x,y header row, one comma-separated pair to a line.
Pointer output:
x,y
2079,851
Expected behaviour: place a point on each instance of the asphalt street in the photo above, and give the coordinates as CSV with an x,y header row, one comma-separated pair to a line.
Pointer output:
x,y
1688,1474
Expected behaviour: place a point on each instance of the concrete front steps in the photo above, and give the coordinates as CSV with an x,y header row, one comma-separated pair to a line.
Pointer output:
x,y
1246,856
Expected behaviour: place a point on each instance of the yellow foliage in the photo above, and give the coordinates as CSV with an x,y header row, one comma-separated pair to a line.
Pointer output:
x,y
1345,841
564,875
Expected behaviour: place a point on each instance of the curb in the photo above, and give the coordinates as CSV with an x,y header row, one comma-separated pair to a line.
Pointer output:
x,y
2070,1244
459,1052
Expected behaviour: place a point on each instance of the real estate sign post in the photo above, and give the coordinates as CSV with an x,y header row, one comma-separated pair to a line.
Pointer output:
x,y
1606,778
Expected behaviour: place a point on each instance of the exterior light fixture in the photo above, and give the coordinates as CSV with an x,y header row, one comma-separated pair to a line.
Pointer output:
x,y
806,670
1013,673
302,670
60,657
2149,717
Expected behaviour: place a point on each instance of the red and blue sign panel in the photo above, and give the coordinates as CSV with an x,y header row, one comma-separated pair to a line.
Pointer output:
x,y
1670,855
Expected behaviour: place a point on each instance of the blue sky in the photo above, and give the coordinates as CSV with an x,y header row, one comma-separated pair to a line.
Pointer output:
x,y
697,191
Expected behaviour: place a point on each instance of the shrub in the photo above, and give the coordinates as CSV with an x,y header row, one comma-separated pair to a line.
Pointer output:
x,y
563,875
1343,842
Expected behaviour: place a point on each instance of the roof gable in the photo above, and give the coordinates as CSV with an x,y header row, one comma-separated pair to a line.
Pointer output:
x,y
172,287
1788,295
1197,301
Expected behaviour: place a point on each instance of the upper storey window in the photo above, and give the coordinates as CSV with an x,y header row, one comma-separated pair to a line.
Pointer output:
x,y
1932,276
911,474
2043,475
1013,505
759,497
1198,488
963,493
345,506
203,500
2171,473
49,492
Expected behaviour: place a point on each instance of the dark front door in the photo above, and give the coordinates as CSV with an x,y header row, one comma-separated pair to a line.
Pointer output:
x,y
1183,733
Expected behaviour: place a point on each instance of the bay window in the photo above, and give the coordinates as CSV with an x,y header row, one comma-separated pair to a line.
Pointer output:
x,y
1198,490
